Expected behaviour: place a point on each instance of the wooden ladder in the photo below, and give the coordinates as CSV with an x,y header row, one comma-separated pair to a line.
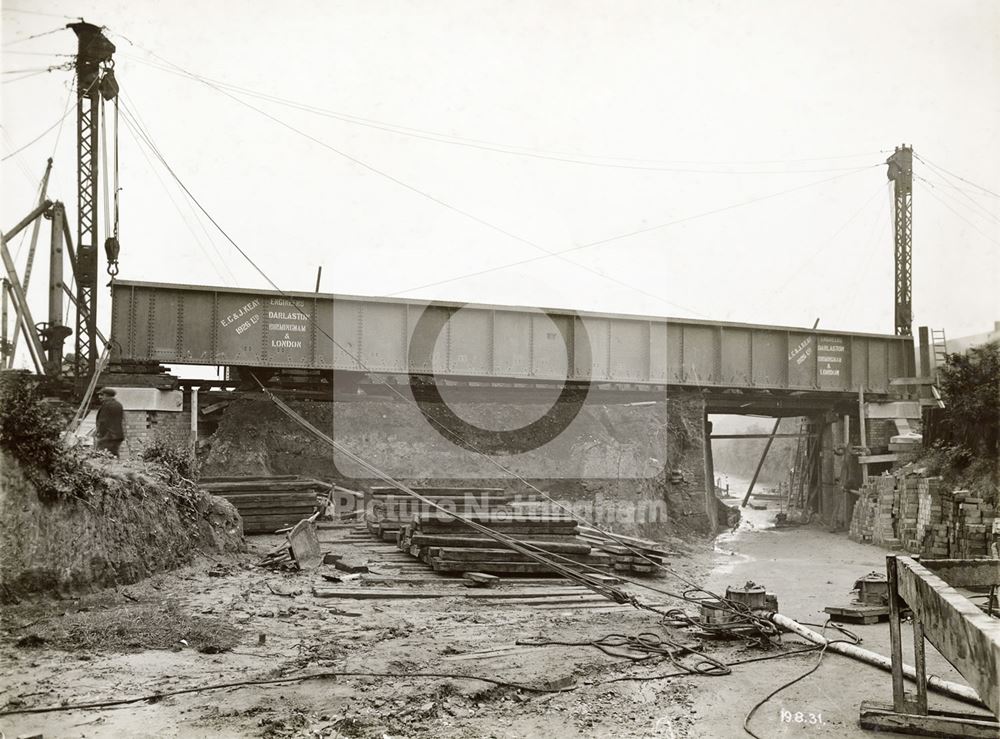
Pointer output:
x,y
797,483
939,346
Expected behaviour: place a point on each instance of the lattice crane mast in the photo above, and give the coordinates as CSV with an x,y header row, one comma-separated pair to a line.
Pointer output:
x,y
901,174
95,79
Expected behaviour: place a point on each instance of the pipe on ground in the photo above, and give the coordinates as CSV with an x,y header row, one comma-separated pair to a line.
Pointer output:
x,y
959,692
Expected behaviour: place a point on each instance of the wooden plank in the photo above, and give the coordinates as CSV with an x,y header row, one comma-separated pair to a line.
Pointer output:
x,y
272,523
429,576
493,568
881,717
248,499
508,528
965,573
878,458
431,491
246,478
291,517
507,555
491,498
415,593
282,483
897,381
963,634
499,519
566,602
468,542
294,512
631,540
481,579
759,436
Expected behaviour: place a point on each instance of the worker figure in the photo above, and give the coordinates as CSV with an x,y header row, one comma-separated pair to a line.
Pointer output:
x,y
110,416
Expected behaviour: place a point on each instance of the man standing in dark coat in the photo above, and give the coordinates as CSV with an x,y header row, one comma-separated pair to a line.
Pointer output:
x,y
110,419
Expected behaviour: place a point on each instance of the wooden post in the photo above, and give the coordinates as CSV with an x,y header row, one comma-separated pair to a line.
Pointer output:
x,y
862,430
194,422
711,502
3,322
56,288
760,464
814,468
925,369
845,469
895,637
919,665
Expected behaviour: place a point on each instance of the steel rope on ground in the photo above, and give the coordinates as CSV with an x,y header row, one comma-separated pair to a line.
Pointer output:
x,y
333,674
714,666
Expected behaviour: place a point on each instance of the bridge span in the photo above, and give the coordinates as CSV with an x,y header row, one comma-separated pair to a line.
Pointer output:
x,y
194,324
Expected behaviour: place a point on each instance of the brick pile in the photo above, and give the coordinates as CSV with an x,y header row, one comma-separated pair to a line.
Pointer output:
x,y
887,505
973,525
907,513
920,515
932,524
862,520
874,513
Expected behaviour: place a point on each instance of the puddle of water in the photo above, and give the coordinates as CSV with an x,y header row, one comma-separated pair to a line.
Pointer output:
x,y
752,521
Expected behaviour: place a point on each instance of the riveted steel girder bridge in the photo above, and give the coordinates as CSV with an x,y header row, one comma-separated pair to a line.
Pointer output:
x,y
191,324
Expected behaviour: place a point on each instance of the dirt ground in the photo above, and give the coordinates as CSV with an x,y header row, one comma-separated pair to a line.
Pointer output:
x,y
222,623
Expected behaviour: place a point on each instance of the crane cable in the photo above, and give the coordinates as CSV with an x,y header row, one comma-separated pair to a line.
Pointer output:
x,y
714,599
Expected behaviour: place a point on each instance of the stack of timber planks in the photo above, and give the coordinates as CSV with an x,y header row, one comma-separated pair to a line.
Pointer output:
x,y
268,503
449,545
639,556
387,509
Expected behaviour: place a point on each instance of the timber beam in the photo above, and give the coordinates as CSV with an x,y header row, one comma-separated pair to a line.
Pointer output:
x,y
958,629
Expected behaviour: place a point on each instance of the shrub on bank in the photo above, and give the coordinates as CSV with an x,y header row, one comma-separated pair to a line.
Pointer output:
x,y
31,431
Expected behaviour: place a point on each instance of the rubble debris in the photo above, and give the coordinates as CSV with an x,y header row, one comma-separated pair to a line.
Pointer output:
x,y
300,551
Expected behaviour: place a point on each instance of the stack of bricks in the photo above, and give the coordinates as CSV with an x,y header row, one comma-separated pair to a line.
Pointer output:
x,y
887,503
973,525
863,517
920,515
874,514
907,516
932,526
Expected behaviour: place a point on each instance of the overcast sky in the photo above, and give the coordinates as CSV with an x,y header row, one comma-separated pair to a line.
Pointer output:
x,y
424,146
